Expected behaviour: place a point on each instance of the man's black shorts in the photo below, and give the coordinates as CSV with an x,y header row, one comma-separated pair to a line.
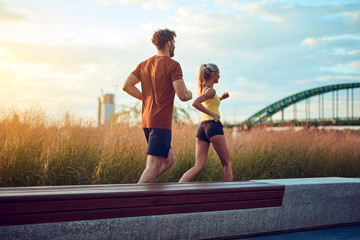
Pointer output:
x,y
208,129
159,141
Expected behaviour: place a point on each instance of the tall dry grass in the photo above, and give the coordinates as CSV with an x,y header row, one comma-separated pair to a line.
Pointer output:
x,y
37,151
262,154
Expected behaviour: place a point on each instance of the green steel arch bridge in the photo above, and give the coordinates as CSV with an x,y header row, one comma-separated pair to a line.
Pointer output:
x,y
264,116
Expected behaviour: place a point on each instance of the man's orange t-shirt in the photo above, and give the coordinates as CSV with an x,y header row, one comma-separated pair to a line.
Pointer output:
x,y
157,75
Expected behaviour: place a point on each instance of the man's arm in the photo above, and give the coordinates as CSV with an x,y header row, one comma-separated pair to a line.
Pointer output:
x,y
181,91
130,88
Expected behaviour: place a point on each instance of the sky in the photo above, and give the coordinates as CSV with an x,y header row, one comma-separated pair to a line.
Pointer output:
x,y
62,54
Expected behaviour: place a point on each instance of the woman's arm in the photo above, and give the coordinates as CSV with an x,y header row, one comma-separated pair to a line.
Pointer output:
x,y
208,94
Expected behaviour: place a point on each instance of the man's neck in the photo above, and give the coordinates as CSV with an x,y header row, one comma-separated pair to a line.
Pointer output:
x,y
163,53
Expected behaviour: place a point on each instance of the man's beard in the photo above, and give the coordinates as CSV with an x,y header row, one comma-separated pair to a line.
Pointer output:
x,y
171,50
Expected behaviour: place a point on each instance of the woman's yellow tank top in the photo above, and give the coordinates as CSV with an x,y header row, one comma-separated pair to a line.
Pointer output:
x,y
213,105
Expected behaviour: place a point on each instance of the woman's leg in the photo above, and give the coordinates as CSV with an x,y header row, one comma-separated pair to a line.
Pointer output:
x,y
202,149
221,147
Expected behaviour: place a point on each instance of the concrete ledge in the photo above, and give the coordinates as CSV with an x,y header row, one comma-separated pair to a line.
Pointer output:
x,y
316,202
307,203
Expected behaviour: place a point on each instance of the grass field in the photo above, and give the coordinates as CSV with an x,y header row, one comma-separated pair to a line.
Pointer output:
x,y
36,151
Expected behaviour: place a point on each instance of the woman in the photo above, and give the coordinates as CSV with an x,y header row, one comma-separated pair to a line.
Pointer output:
x,y
211,129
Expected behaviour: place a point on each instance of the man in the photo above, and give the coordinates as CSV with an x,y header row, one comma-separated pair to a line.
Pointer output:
x,y
160,77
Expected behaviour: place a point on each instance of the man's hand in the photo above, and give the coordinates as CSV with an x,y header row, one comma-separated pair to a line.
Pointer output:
x,y
181,91
189,95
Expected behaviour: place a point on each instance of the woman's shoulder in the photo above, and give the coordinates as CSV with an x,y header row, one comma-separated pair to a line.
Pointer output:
x,y
209,90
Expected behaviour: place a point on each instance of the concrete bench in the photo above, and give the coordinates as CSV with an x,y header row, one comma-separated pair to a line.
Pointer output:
x,y
50,204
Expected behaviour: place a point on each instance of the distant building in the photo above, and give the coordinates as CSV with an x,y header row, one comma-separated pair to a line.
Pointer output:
x,y
106,108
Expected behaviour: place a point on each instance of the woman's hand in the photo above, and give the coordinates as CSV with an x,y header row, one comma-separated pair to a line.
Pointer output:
x,y
216,117
224,96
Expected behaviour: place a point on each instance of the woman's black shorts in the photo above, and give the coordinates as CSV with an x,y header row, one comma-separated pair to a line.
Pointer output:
x,y
208,129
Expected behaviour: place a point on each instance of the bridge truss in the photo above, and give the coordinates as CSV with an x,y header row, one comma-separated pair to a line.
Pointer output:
x,y
265,115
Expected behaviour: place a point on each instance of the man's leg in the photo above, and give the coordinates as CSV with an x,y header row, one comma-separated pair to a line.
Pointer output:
x,y
167,163
158,145
153,165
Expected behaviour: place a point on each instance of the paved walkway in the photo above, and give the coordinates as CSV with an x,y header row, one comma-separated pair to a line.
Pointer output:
x,y
337,233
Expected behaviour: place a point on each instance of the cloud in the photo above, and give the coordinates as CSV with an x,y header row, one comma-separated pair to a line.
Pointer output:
x,y
354,16
311,42
249,96
67,75
355,52
162,5
272,54
243,83
262,9
337,77
51,85
67,54
355,65
13,14
342,68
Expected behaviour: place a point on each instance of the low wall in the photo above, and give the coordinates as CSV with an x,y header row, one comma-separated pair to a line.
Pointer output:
x,y
307,203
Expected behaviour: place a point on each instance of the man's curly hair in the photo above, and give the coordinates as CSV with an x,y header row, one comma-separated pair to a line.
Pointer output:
x,y
161,37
